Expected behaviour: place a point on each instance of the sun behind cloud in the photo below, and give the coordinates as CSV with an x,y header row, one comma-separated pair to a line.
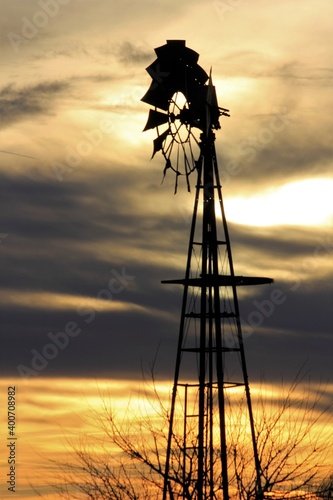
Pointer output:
x,y
306,202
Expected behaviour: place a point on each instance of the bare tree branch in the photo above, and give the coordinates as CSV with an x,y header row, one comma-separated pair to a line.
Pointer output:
x,y
128,461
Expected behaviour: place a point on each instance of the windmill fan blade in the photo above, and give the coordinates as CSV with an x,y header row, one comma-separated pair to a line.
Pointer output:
x,y
176,50
175,69
157,95
155,118
158,142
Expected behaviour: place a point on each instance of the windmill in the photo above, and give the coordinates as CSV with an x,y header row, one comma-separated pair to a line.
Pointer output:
x,y
210,366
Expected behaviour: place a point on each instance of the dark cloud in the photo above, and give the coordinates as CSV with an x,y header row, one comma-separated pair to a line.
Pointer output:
x,y
270,157
73,50
119,344
301,74
279,241
129,53
60,226
20,103
298,331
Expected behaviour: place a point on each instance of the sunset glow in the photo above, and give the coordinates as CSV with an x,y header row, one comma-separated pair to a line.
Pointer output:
x,y
76,405
90,225
302,203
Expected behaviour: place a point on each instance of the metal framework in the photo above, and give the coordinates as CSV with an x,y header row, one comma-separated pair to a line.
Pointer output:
x,y
210,366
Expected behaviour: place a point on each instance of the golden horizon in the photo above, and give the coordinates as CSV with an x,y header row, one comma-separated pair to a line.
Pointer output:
x,y
56,415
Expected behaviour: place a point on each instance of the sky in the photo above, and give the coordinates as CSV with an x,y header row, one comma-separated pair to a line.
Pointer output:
x,y
87,230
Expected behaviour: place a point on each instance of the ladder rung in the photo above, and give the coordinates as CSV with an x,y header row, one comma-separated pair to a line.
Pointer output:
x,y
219,242
211,315
230,385
213,384
211,349
188,385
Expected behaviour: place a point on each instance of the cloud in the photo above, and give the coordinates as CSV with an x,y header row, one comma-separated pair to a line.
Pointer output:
x,y
262,157
62,301
106,54
17,104
259,64
75,233
110,212
129,53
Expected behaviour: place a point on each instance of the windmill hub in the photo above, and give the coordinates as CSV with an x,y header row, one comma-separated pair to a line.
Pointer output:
x,y
186,116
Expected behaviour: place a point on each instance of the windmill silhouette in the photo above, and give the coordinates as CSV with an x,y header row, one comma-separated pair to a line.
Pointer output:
x,y
210,366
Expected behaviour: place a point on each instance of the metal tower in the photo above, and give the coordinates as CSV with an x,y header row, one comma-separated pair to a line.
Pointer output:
x,y
210,364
